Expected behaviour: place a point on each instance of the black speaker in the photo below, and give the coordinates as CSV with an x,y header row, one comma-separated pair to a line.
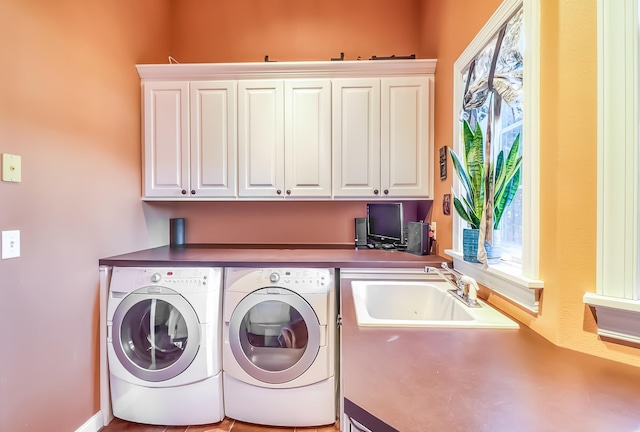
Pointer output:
x,y
176,233
361,231
418,240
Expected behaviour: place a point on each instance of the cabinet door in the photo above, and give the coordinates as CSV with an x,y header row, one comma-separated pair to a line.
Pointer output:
x,y
406,151
356,137
166,137
213,139
261,138
307,138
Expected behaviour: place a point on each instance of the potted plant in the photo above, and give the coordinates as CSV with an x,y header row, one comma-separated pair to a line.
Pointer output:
x,y
485,185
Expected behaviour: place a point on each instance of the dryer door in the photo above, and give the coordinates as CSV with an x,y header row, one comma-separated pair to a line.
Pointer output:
x,y
274,335
156,334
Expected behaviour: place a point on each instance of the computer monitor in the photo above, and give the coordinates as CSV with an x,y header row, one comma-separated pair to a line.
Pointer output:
x,y
385,222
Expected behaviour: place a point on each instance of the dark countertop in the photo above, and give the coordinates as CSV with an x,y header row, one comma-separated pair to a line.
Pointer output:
x,y
480,380
436,380
269,255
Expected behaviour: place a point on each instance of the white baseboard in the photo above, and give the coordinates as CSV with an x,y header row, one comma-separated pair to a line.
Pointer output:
x,y
94,424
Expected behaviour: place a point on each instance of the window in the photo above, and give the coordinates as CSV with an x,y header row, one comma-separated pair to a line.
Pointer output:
x,y
499,66
513,111
617,297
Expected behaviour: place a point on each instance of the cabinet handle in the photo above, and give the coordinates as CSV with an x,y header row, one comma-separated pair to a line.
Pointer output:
x,y
279,192
288,192
193,191
375,192
184,192
386,191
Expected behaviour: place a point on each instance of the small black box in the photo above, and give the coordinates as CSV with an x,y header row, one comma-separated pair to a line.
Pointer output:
x,y
361,231
418,240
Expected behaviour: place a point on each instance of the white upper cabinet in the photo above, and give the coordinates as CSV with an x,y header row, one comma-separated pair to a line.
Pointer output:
x,y
284,138
307,138
213,139
190,139
296,130
166,138
406,137
356,137
261,138
382,138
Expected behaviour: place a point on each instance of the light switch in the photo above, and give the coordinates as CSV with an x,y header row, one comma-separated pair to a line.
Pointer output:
x,y
11,168
10,244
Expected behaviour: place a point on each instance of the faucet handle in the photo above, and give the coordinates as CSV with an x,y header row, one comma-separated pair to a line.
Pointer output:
x,y
462,286
472,290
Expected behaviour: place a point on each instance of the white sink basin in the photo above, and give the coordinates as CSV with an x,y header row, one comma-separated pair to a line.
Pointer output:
x,y
420,304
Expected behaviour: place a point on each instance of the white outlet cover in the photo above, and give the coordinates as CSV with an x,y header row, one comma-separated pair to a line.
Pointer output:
x,y
10,244
11,168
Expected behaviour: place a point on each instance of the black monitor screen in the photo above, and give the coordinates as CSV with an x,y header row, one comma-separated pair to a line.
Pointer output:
x,y
384,222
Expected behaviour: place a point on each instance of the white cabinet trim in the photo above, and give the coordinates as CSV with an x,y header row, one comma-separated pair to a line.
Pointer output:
x,y
283,70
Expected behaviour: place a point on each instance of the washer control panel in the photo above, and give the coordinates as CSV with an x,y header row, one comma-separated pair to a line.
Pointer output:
x,y
298,279
160,279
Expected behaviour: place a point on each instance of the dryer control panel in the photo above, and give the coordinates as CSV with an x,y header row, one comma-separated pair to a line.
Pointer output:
x,y
174,276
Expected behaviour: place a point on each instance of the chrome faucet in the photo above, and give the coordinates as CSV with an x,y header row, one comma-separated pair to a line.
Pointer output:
x,y
469,290
465,287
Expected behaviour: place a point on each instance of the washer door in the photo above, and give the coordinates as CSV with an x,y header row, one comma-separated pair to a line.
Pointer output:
x,y
156,334
274,335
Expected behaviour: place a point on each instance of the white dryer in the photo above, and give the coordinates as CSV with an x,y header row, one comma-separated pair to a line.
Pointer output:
x,y
163,342
279,346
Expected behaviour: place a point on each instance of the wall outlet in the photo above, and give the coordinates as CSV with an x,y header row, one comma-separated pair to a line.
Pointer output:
x,y
10,244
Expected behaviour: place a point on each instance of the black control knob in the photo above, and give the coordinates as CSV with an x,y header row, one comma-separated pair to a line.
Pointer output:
x,y
193,191
279,192
386,191
288,192
184,192
376,192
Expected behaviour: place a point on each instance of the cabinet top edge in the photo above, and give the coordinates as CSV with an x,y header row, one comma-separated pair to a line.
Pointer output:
x,y
320,69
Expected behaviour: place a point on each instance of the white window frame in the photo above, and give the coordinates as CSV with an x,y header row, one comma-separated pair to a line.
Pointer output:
x,y
617,296
519,283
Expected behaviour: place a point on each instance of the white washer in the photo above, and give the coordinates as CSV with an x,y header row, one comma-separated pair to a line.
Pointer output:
x,y
163,341
279,346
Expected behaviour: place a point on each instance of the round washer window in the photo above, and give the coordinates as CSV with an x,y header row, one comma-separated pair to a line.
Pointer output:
x,y
275,338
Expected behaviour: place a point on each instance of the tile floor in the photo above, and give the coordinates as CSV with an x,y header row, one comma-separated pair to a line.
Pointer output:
x,y
226,425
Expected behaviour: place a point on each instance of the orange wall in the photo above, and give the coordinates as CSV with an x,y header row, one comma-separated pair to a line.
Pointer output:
x,y
292,30
568,140
70,106
269,222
